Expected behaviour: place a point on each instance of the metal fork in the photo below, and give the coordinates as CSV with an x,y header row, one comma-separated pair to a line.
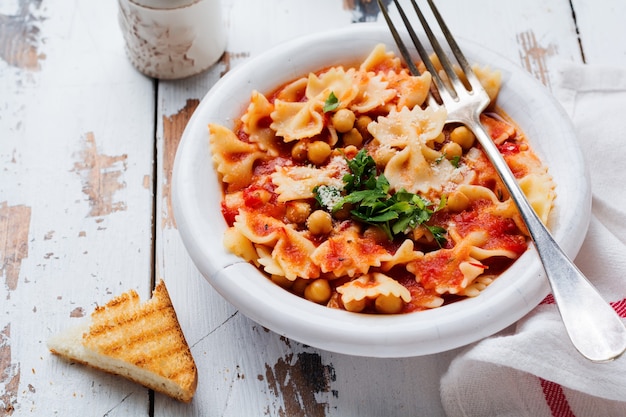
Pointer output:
x,y
594,328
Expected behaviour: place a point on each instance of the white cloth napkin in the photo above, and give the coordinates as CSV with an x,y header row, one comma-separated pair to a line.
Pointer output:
x,y
531,369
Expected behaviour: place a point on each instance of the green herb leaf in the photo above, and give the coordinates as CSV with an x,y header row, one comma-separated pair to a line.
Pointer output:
x,y
439,233
442,202
331,103
371,202
362,172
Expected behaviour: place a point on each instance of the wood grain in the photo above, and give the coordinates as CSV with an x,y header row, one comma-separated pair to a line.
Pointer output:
x,y
20,35
76,143
101,177
173,127
14,227
601,31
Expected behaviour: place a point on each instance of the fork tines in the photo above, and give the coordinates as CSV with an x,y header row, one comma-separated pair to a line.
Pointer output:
x,y
447,66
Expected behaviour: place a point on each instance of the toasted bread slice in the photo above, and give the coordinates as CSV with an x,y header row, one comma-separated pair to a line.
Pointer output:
x,y
142,342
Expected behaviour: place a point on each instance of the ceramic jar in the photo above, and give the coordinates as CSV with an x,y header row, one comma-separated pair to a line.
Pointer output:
x,y
171,39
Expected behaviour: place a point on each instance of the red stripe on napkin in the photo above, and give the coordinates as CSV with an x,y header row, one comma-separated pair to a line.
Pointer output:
x,y
555,399
553,392
618,306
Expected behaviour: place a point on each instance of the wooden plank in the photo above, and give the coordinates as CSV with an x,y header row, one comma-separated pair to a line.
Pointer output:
x,y
245,369
533,34
76,149
602,30
232,376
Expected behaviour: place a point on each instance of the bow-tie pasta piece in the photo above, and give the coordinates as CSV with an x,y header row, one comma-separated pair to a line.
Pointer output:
x,y
346,253
256,124
234,158
298,182
376,286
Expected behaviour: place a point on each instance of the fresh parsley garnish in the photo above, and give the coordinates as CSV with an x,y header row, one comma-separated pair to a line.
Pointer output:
x,y
362,172
372,203
439,233
331,103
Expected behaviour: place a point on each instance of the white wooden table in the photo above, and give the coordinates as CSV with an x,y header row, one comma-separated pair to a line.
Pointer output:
x,y
86,152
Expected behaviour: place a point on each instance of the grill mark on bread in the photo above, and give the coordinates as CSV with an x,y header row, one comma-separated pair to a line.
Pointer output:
x,y
129,337
112,347
119,324
142,342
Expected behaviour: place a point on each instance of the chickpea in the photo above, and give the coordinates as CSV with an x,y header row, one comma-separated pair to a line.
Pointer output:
x,y
457,201
463,136
299,151
343,120
376,233
350,151
344,212
384,155
297,211
320,222
318,152
389,304
355,306
361,124
352,137
299,285
318,291
281,281
452,150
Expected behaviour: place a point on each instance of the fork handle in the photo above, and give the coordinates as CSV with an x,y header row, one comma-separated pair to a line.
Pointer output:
x,y
593,326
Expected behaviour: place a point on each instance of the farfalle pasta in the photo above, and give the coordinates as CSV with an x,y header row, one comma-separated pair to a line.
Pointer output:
x,y
344,187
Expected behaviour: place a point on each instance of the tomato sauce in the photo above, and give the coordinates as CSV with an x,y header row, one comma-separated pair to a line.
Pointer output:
x,y
229,213
502,232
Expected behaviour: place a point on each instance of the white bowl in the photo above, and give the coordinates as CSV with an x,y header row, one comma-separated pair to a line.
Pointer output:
x,y
197,195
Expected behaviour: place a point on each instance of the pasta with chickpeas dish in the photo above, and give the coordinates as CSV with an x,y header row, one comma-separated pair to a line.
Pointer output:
x,y
345,188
